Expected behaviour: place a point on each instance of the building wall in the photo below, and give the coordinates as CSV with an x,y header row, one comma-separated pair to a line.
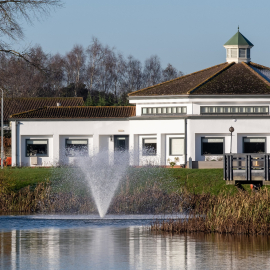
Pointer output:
x,y
198,128
193,104
97,132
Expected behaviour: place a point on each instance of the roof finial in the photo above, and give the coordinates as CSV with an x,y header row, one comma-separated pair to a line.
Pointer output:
x,y
238,28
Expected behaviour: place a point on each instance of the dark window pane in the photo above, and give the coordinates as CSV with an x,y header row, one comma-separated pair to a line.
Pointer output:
x,y
36,150
254,147
212,148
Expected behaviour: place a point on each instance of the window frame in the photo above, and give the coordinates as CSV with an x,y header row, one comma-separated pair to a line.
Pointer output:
x,y
45,155
245,50
232,107
75,140
223,138
144,153
170,146
265,144
167,109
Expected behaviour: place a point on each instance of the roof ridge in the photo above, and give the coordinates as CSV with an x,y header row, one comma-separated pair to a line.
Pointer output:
x,y
178,78
260,66
44,98
211,77
21,113
78,106
256,73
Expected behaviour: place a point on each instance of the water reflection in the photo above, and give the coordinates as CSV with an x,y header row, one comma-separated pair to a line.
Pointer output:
x,y
128,248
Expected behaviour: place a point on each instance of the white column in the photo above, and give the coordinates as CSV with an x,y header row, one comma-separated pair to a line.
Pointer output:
x,y
159,148
95,143
56,149
131,150
13,143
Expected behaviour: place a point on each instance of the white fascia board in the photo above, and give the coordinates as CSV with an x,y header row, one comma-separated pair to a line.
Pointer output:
x,y
203,99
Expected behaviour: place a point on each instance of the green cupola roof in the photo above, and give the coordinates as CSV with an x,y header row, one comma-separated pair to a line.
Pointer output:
x,y
238,39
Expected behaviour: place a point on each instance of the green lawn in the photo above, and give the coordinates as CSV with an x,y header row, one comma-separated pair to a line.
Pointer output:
x,y
174,180
19,178
170,180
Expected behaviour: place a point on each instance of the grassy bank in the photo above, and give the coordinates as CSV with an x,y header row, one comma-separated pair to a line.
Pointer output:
x,y
144,190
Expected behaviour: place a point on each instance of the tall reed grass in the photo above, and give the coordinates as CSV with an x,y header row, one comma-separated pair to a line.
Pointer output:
x,y
242,213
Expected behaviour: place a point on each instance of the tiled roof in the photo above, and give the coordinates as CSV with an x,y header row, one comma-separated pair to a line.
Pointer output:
x,y
17,105
224,79
181,85
62,112
238,79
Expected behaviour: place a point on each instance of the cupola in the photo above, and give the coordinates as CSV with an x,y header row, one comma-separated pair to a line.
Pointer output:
x,y
238,49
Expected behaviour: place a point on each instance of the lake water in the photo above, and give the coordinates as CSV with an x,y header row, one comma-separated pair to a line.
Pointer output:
x,y
120,242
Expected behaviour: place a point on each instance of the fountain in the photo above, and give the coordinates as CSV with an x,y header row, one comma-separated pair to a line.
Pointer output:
x,y
103,172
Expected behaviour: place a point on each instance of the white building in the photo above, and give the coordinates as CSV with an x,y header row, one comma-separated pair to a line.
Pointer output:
x,y
189,116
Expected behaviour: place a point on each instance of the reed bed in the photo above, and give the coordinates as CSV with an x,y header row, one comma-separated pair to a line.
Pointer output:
x,y
242,213
42,198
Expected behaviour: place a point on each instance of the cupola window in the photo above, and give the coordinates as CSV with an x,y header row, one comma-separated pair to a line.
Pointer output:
x,y
233,53
242,53
248,53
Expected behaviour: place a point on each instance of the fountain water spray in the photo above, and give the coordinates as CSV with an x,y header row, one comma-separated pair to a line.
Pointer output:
x,y
103,172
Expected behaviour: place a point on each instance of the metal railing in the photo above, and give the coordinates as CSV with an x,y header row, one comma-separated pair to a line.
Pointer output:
x,y
246,167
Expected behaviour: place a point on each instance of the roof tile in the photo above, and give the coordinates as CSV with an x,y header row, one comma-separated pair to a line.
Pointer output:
x,y
78,112
16,105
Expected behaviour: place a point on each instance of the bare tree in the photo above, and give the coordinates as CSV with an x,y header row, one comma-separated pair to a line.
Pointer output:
x,y
11,11
94,55
75,66
133,75
170,73
152,71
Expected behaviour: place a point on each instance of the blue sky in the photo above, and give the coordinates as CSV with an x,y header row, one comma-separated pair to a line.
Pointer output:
x,y
189,34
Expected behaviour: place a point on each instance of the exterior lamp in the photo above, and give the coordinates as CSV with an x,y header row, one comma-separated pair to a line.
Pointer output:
x,y
231,129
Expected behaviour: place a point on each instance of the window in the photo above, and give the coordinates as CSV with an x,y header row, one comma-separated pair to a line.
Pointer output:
x,y
233,53
164,110
177,146
149,147
36,148
76,147
254,145
242,53
228,53
248,53
212,146
234,109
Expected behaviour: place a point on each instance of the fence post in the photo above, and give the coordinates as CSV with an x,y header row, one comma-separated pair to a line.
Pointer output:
x,y
249,168
231,167
266,167
224,167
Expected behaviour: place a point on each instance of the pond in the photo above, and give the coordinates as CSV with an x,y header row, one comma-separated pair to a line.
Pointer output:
x,y
120,242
